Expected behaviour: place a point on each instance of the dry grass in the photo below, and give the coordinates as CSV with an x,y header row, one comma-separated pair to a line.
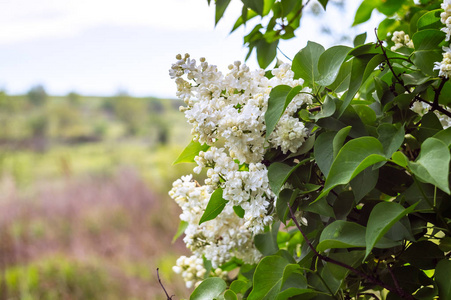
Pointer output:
x,y
113,224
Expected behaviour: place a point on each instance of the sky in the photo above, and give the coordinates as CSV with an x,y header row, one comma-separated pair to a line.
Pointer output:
x,y
102,47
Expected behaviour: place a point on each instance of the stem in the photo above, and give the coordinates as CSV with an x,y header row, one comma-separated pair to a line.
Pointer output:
x,y
434,105
379,42
437,92
159,280
369,278
395,281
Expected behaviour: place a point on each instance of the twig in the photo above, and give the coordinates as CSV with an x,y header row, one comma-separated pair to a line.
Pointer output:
x,y
372,279
379,43
434,105
395,281
159,280
316,108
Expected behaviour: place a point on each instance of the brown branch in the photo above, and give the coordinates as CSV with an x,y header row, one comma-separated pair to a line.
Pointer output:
x,y
369,278
379,43
159,280
316,108
434,105
395,281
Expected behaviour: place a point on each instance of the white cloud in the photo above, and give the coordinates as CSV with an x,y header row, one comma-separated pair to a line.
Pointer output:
x,y
22,20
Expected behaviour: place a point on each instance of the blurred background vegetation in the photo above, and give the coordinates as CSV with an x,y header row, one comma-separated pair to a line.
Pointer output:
x,y
84,210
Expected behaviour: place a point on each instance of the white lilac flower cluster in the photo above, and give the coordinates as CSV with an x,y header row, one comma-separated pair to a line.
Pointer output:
x,y
227,112
193,271
218,240
444,66
401,39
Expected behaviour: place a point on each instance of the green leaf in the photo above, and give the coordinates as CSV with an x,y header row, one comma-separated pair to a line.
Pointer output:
x,y
278,173
190,152
279,98
214,206
329,63
343,234
354,157
339,139
327,109
230,295
445,244
239,211
430,20
362,67
286,196
389,8
266,52
341,83
432,165
255,5
364,11
324,152
364,183
428,39
323,3
246,15
423,254
293,282
268,4
430,125
266,242
180,230
362,50
360,39
414,21
386,26
239,286
221,6
334,275
366,114
390,137
268,278
209,289
442,278
305,63
383,216
293,277
425,59
444,136
414,78
351,258
320,207
400,159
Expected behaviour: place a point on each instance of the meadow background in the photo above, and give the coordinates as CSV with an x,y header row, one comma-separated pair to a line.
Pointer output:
x,y
84,210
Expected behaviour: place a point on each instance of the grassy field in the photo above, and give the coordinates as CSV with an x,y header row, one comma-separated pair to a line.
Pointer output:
x,y
90,219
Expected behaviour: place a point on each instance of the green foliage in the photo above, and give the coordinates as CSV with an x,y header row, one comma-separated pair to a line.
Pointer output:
x,y
371,184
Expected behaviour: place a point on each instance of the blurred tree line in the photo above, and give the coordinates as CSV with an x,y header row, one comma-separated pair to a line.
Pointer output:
x,y
36,120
